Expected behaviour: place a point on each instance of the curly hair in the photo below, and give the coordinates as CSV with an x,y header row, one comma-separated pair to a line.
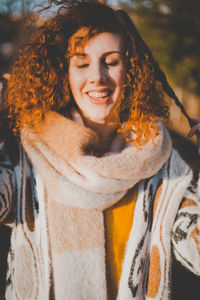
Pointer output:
x,y
39,77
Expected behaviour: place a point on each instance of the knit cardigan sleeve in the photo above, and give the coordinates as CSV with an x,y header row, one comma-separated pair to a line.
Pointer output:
x,y
7,186
186,229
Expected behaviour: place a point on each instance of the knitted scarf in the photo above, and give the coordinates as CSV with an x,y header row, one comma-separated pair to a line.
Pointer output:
x,y
77,187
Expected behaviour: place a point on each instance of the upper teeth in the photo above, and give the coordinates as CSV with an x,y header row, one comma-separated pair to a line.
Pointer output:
x,y
98,94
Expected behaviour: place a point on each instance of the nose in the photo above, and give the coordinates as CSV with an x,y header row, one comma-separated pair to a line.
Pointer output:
x,y
98,73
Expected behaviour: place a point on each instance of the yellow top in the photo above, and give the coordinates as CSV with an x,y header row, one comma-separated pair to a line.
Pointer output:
x,y
118,224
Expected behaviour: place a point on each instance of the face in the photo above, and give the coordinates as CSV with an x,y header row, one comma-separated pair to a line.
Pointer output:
x,y
96,76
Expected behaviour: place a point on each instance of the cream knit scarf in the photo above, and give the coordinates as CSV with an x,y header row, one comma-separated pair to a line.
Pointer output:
x,y
77,188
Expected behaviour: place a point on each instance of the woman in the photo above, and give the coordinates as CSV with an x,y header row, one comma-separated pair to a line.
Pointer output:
x,y
92,187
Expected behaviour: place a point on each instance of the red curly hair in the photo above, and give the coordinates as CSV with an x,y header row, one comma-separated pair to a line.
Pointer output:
x,y
39,77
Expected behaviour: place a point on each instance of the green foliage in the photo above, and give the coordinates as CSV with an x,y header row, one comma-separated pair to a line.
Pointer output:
x,y
171,28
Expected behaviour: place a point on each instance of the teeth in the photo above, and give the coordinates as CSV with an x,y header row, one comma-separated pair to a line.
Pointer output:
x,y
98,94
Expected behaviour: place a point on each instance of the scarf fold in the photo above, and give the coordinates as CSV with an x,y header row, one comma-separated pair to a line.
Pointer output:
x,y
57,151
77,187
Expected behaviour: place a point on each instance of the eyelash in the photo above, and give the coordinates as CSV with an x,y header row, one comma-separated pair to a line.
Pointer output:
x,y
83,66
111,64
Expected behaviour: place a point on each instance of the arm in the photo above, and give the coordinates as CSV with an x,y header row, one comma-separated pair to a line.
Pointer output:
x,y
186,229
7,186
7,180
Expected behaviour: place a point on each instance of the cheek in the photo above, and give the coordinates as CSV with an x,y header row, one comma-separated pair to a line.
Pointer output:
x,y
119,77
122,74
75,81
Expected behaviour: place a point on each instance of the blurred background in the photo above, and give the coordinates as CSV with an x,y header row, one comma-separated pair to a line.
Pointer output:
x,y
171,28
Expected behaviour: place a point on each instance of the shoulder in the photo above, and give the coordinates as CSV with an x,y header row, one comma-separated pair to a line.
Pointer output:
x,y
170,183
9,148
176,165
175,169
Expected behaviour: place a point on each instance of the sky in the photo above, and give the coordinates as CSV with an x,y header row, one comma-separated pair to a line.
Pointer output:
x,y
16,7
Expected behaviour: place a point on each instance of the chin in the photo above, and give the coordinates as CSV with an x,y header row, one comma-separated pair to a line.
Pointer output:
x,y
96,116
97,120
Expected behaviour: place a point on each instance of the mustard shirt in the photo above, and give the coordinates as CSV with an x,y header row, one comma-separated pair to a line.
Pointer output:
x,y
118,224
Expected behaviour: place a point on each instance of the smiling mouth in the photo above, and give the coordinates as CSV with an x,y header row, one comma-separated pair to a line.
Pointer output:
x,y
99,97
98,94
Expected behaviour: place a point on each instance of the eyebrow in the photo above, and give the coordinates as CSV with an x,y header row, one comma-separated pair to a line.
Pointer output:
x,y
104,54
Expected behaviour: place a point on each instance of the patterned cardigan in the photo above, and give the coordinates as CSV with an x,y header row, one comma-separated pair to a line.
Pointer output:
x,y
166,219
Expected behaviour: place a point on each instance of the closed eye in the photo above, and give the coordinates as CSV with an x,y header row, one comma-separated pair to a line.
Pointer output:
x,y
112,63
82,66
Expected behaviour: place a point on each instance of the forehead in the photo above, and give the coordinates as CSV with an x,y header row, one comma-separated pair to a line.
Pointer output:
x,y
103,43
84,41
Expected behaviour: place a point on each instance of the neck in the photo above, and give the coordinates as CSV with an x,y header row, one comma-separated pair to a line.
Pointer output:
x,y
105,133
103,130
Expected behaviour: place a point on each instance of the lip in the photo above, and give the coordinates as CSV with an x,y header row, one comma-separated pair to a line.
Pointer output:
x,y
93,95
